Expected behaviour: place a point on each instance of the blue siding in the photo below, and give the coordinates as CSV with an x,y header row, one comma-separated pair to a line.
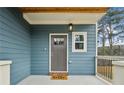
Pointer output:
x,y
25,45
82,63
15,43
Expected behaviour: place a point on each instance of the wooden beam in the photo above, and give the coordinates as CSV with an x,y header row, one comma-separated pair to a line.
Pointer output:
x,y
63,9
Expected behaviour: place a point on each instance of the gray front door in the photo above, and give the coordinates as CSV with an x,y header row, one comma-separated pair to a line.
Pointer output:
x,y
58,52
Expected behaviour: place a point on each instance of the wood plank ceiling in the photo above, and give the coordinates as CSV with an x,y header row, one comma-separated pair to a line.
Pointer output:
x,y
63,15
63,9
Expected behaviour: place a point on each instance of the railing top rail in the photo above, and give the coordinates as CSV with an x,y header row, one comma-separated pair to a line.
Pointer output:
x,y
111,57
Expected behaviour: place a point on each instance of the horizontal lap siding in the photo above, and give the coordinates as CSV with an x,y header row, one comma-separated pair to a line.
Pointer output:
x,y
40,40
15,43
82,63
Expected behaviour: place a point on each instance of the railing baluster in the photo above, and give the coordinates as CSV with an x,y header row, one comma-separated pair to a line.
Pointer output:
x,y
111,69
104,66
107,69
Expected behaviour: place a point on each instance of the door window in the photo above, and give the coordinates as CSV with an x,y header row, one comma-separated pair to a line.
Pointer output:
x,y
58,41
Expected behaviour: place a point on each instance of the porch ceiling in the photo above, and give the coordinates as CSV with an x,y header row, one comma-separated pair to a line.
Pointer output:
x,y
63,15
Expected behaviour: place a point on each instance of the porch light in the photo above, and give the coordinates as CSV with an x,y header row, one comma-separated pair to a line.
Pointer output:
x,y
70,27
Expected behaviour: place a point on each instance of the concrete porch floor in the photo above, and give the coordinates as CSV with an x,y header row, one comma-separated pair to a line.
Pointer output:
x,y
72,80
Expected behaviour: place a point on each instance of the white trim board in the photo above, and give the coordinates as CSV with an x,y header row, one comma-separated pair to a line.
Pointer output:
x,y
62,18
50,50
96,50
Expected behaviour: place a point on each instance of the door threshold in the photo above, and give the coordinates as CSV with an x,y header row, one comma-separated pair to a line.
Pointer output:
x,y
53,72
59,71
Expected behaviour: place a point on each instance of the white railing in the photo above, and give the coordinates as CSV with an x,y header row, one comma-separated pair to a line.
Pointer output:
x,y
105,66
111,57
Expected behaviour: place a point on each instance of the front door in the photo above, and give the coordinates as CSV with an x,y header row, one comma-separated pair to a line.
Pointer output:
x,y
58,52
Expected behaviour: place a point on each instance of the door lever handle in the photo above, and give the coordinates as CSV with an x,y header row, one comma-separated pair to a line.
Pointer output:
x,y
69,62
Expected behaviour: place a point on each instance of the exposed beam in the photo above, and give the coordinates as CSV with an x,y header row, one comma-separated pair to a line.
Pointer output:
x,y
63,9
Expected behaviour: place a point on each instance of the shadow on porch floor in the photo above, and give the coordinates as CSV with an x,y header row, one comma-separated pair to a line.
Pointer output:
x,y
72,80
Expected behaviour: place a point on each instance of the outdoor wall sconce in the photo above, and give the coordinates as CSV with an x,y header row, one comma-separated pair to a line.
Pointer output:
x,y
70,27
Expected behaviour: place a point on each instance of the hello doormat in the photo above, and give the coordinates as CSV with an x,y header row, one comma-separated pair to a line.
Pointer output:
x,y
59,76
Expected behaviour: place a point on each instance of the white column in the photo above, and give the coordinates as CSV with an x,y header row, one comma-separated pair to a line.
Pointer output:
x,y
96,51
5,72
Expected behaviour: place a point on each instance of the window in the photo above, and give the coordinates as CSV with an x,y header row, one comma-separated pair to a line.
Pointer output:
x,y
58,41
79,41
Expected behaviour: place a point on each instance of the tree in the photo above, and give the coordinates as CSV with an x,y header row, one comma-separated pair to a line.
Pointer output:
x,y
102,33
112,24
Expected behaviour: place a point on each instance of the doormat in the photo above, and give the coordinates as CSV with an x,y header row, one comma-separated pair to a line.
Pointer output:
x,y
59,76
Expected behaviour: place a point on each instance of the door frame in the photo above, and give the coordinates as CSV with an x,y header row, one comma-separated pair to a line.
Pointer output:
x,y
50,50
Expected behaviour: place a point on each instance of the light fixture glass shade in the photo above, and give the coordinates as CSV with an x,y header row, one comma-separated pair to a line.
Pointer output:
x,y
70,27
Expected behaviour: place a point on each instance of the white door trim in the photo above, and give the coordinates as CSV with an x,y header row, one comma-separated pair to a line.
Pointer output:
x,y
96,50
50,50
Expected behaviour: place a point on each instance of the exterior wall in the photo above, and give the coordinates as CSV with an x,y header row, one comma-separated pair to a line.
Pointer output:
x,y
15,43
82,63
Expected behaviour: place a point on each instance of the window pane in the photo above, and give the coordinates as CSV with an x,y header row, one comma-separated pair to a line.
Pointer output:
x,y
58,41
79,45
79,38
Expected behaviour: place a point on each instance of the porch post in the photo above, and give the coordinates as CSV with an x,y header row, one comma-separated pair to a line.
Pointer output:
x,y
5,72
96,52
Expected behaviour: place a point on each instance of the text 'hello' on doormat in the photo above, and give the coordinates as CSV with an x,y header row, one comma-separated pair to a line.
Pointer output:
x,y
59,76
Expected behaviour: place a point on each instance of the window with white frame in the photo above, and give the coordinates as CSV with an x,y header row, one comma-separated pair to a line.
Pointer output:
x,y
79,41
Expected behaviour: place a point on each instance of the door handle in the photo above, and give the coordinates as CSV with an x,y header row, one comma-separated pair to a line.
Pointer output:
x,y
70,62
